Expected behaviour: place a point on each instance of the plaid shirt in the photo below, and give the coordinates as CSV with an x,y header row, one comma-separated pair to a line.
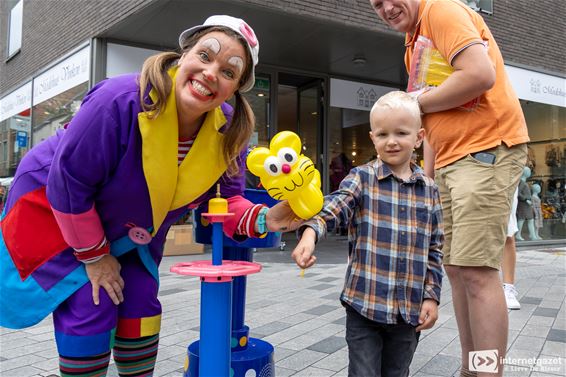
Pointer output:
x,y
395,238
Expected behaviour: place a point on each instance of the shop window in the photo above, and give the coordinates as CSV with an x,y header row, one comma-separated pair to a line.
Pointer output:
x,y
483,6
15,125
349,142
15,28
259,100
547,162
54,113
4,151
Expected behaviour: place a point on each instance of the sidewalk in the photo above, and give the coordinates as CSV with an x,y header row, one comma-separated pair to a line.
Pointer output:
x,y
303,320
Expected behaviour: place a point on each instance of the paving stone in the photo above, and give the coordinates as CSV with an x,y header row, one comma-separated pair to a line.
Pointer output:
x,y
281,353
20,372
538,331
328,279
441,365
301,360
167,292
340,321
313,372
332,296
311,274
554,349
551,364
418,362
279,303
270,328
19,363
538,320
530,300
342,373
320,310
528,343
546,312
321,287
329,345
284,372
336,361
557,335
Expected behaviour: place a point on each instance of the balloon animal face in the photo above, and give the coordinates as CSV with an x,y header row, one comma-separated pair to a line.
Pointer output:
x,y
286,174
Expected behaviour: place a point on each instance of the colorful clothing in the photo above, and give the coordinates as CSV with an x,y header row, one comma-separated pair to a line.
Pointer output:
x,y
395,238
452,26
112,169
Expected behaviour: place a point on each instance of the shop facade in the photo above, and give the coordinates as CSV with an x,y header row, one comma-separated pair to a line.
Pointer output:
x,y
318,76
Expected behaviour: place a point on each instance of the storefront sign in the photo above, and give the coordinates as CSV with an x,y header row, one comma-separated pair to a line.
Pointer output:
x,y
69,73
537,87
22,139
355,95
16,102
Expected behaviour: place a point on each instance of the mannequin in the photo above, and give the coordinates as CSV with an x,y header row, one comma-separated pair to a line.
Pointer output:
x,y
535,190
524,209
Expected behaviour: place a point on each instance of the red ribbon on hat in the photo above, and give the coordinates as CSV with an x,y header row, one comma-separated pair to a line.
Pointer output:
x,y
249,34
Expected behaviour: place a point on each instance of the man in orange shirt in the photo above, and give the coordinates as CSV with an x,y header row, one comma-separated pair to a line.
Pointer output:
x,y
477,136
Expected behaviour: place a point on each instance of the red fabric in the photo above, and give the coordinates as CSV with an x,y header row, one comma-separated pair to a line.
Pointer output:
x,y
90,254
129,328
31,233
236,205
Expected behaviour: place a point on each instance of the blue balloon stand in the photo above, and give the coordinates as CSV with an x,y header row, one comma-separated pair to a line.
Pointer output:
x,y
223,309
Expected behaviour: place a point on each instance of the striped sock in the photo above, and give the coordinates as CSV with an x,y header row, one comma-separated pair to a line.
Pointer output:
x,y
136,357
84,366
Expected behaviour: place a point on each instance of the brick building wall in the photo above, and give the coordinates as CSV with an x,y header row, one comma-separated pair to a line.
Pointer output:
x,y
527,32
52,28
531,33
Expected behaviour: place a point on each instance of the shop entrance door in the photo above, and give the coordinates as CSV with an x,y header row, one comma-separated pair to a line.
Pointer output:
x,y
300,109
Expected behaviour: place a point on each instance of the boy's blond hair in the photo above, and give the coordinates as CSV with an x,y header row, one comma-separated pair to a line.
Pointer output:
x,y
398,100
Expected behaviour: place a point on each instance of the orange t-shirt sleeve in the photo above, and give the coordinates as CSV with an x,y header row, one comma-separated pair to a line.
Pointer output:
x,y
451,29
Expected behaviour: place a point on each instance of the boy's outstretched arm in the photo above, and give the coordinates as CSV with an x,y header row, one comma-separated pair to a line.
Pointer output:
x,y
303,253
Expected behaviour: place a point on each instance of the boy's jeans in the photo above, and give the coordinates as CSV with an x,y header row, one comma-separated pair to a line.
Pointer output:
x,y
377,349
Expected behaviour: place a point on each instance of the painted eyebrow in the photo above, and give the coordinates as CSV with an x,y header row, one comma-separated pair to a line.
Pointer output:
x,y
212,44
237,62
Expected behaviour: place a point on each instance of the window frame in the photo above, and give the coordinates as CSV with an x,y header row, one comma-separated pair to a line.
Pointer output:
x,y
16,14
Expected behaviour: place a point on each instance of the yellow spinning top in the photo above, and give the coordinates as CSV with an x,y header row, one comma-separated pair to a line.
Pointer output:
x,y
218,204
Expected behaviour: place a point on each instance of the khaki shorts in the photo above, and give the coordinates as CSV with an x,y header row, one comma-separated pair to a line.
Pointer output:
x,y
476,203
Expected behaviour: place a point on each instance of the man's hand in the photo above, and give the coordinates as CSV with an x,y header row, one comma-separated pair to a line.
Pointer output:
x,y
303,253
428,315
280,218
105,273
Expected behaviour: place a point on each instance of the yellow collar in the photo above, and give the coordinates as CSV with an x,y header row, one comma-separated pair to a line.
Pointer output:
x,y
171,186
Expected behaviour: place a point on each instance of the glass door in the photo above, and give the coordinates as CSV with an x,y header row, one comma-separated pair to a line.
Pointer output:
x,y
310,121
300,109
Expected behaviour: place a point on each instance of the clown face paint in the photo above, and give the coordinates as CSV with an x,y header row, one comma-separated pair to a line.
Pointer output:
x,y
215,47
237,62
212,44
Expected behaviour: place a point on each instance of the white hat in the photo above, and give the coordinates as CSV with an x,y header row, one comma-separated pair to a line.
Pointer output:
x,y
240,27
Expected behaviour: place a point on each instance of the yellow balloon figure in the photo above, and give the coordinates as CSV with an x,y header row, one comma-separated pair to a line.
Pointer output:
x,y
288,175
